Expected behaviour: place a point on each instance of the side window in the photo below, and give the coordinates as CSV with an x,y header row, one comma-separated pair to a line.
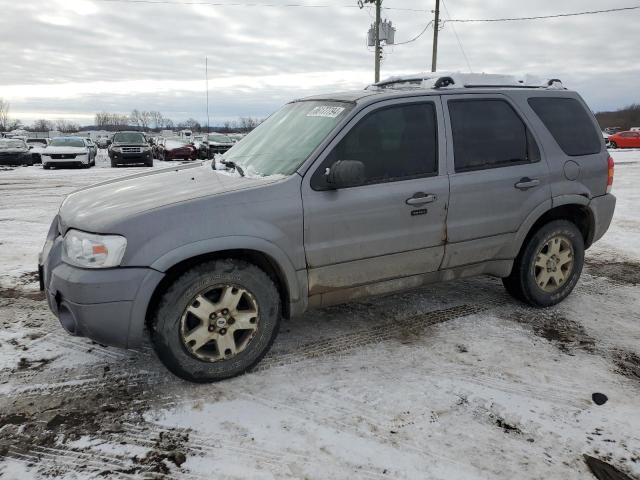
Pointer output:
x,y
488,133
393,143
569,123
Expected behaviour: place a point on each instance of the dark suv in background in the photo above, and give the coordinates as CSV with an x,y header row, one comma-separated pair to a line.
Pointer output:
x,y
130,148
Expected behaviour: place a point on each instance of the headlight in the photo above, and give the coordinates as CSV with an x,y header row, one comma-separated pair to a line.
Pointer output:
x,y
146,149
116,149
93,251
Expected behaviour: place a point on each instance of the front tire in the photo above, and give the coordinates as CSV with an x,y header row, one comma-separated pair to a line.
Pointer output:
x,y
216,320
549,265
46,166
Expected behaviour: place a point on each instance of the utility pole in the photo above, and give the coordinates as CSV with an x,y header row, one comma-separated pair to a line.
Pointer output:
x,y
377,38
206,74
436,25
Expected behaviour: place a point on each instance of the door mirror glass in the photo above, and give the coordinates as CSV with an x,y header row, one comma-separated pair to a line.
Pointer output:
x,y
345,173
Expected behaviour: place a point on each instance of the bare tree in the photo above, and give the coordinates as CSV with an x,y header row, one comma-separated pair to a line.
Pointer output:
x,y
191,124
42,125
169,124
66,126
4,115
157,119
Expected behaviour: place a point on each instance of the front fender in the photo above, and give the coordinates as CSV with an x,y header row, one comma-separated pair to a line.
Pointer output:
x,y
219,244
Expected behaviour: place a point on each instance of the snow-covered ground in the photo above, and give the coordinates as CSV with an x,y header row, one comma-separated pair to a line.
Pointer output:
x,y
453,381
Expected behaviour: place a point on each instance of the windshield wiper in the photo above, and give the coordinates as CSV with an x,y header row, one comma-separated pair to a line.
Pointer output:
x,y
229,164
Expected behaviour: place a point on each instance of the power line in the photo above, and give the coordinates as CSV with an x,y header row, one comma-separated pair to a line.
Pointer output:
x,y
248,4
544,17
417,36
466,59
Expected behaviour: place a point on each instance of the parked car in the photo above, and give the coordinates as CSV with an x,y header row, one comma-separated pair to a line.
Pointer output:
x,y
178,149
69,152
634,129
103,142
37,146
14,151
216,143
624,140
334,198
130,148
612,130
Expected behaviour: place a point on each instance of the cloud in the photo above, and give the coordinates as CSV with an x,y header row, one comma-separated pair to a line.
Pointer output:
x,y
76,57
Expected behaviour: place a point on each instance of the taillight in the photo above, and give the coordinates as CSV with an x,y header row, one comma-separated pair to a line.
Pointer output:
x,y
610,173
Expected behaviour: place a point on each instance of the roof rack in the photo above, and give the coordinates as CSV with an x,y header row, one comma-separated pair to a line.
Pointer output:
x,y
438,80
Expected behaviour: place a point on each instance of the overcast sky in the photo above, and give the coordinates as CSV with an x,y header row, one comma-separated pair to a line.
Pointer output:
x,y
71,58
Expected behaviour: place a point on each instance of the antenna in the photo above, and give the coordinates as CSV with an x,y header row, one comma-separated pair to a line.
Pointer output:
x,y
206,74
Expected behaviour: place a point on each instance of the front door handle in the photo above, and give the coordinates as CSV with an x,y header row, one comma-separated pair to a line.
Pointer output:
x,y
421,198
526,183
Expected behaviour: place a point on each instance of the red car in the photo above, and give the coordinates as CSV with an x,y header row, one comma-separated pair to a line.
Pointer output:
x,y
178,150
625,140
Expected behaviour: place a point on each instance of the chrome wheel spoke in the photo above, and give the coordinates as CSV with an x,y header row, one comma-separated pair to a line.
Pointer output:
x,y
541,260
202,308
543,278
245,320
565,257
226,344
230,297
198,337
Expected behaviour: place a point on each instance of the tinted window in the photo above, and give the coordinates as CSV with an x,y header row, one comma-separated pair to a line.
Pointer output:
x,y
393,143
67,142
489,134
569,123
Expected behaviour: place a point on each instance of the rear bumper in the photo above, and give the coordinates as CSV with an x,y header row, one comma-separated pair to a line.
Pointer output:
x,y
16,159
105,305
602,209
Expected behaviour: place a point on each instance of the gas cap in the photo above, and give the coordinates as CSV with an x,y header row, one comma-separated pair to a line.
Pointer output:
x,y
571,170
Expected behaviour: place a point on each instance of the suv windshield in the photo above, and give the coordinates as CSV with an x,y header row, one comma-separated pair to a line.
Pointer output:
x,y
6,144
220,139
285,140
67,142
128,137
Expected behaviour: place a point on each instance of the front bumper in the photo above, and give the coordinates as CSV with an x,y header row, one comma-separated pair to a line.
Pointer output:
x,y
602,208
105,305
130,158
69,160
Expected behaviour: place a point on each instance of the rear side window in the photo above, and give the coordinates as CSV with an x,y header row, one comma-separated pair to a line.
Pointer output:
x,y
488,133
394,143
569,123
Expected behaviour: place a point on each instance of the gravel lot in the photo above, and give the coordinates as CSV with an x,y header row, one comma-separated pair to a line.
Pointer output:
x,y
453,381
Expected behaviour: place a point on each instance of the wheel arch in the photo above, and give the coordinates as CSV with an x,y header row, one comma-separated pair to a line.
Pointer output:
x,y
261,253
574,210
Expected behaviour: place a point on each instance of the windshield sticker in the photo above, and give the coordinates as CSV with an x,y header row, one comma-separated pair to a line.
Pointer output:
x,y
325,111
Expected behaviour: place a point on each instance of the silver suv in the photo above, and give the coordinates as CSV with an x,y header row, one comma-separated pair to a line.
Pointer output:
x,y
334,198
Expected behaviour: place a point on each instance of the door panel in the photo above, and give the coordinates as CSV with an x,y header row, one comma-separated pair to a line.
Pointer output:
x,y
366,234
493,200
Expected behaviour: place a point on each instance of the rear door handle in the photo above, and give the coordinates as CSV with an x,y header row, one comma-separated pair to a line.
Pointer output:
x,y
526,183
421,198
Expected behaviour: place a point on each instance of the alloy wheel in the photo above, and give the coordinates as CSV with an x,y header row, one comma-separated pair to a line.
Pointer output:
x,y
554,264
219,322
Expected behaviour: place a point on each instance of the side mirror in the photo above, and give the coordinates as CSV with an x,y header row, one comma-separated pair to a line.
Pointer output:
x,y
345,173
30,147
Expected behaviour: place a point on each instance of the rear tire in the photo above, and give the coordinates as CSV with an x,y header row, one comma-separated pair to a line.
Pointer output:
x,y
548,266
187,326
